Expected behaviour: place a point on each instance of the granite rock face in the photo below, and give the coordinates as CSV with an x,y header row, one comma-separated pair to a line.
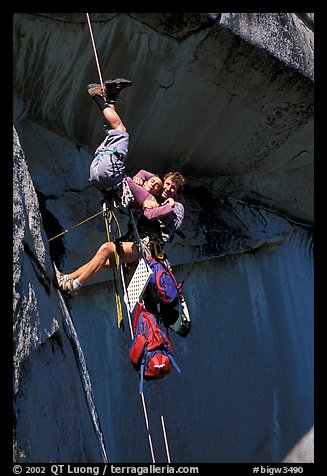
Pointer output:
x,y
227,99
46,422
237,89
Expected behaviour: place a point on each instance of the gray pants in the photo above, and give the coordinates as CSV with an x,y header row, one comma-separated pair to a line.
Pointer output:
x,y
107,169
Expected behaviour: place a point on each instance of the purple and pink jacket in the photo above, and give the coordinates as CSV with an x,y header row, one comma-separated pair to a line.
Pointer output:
x,y
140,194
169,219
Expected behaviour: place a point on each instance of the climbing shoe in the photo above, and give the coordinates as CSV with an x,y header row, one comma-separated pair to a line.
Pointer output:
x,y
64,283
95,89
114,86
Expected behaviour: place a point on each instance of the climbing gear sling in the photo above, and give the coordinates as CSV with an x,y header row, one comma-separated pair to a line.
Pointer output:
x,y
108,215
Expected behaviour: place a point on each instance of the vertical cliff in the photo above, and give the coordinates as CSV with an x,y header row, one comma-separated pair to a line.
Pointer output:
x,y
52,420
227,99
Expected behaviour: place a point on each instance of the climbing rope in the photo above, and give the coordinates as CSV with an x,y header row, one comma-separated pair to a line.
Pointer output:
x,y
74,226
163,423
119,264
95,53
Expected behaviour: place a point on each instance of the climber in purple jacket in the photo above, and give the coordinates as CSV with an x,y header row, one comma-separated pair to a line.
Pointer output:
x,y
164,227
106,254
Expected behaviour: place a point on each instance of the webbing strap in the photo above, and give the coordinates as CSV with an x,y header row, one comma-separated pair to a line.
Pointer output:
x,y
117,260
74,226
141,378
174,363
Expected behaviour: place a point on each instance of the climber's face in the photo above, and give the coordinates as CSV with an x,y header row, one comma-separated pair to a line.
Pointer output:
x,y
170,188
153,185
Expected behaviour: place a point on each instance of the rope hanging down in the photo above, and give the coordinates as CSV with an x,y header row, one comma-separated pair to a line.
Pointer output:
x,y
95,52
123,280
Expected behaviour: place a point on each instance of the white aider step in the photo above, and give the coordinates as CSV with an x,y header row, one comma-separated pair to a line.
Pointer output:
x,y
138,284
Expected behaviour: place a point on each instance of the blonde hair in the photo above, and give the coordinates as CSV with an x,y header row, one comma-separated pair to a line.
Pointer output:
x,y
178,178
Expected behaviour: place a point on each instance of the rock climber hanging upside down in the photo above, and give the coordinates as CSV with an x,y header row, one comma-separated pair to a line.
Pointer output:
x,y
161,214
